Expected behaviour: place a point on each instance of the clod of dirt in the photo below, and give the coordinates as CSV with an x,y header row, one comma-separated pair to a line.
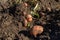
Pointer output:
x,y
25,22
42,14
36,30
24,13
25,4
48,8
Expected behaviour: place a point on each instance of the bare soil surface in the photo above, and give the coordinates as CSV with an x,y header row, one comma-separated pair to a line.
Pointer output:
x,y
12,15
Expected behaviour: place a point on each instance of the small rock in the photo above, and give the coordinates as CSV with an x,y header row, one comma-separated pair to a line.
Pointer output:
x,y
9,38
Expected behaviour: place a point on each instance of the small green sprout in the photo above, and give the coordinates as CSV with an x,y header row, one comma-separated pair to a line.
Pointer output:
x,y
28,25
37,7
35,14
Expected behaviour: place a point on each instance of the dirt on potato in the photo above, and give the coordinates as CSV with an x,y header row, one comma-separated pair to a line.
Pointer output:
x,y
13,14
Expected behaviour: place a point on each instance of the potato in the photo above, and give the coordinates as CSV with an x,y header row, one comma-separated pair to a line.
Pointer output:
x,y
36,30
29,18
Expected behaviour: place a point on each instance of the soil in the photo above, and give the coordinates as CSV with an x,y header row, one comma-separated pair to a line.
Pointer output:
x,y
12,19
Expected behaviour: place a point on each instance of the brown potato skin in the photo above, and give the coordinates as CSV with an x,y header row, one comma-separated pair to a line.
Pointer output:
x,y
36,30
29,18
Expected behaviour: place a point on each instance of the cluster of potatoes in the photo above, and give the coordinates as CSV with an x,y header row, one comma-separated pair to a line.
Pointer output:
x,y
35,29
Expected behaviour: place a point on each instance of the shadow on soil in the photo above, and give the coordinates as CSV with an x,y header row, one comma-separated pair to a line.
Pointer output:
x,y
26,33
